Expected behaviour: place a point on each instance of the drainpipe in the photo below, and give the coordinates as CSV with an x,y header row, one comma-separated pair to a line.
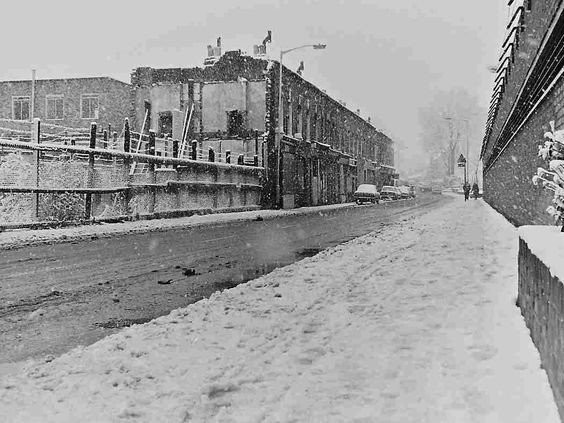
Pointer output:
x,y
31,114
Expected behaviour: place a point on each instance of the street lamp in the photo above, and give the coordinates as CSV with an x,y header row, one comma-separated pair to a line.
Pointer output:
x,y
282,53
280,119
462,163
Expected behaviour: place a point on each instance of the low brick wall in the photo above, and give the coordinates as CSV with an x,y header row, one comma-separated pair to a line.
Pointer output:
x,y
68,184
541,299
200,187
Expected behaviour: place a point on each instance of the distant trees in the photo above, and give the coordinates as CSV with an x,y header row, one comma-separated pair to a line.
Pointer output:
x,y
447,120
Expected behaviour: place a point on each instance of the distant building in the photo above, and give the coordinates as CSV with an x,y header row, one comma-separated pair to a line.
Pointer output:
x,y
528,94
71,102
324,150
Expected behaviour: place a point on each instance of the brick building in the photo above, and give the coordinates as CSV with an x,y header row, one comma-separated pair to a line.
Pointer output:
x,y
323,152
528,94
72,102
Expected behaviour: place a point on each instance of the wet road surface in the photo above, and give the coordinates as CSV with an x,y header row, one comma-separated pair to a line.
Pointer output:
x,y
55,297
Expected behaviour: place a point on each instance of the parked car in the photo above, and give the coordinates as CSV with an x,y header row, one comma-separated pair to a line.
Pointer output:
x,y
367,193
404,192
390,193
437,190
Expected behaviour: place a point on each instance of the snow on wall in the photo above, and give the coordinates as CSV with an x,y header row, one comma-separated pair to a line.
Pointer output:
x,y
547,243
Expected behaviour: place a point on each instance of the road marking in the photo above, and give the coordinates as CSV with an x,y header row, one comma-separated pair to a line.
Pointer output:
x,y
219,239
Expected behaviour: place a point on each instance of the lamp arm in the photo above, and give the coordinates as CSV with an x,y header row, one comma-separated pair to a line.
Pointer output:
x,y
295,48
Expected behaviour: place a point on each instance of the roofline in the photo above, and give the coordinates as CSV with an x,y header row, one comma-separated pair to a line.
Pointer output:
x,y
65,79
336,102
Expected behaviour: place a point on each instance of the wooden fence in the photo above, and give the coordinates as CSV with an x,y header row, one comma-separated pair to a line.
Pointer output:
x,y
147,173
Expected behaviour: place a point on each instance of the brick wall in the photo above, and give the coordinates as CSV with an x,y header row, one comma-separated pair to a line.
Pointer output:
x,y
114,103
331,122
541,299
507,184
537,22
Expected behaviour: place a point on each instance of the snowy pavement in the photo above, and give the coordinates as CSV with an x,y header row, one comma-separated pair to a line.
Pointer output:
x,y
413,323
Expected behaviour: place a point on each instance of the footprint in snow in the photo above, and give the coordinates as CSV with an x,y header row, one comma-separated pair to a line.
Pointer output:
x,y
482,352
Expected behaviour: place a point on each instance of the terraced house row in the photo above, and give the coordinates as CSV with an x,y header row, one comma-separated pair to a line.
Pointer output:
x,y
313,148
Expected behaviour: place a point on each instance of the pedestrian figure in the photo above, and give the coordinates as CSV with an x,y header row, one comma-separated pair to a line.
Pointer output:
x,y
466,188
475,190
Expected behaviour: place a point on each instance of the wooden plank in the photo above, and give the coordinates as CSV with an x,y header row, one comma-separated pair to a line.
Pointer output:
x,y
46,190
120,154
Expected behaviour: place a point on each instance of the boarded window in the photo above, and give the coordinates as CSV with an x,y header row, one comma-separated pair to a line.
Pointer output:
x,y
165,123
235,123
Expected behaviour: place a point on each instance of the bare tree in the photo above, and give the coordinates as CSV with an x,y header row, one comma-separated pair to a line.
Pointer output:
x,y
450,121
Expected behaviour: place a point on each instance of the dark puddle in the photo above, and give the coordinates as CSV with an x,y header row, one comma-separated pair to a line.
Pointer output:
x,y
122,323
307,252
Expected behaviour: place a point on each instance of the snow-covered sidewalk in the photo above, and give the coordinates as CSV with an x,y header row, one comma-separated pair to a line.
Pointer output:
x,y
414,323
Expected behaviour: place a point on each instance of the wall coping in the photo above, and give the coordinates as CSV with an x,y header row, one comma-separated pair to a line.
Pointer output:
x,y
547,243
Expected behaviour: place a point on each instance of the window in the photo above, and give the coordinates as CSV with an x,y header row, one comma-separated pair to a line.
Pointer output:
x,y
165,123
235,123
55,107
20,108
89,106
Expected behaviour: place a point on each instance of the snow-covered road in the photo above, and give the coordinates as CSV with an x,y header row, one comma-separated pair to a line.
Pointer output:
x,y
414,323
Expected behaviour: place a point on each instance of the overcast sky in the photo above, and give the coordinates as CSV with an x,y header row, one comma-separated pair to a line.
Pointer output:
x,y
386,57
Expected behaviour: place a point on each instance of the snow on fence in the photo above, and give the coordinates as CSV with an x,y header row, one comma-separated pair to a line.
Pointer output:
x,y
51,178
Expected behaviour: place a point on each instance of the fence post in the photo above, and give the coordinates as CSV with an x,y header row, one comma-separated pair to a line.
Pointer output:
x,y
151,149
194,153
175,152
211,155
241,159
126,137
227,156
105,139
255,160
36,139
126,161
152,176
90,171
114,145
165,151
256,143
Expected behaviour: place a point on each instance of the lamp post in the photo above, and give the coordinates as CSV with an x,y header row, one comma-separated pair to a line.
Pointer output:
x,y
280,110
462,163
282,53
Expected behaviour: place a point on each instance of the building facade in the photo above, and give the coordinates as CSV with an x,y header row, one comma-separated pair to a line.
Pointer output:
x,y
528,94
319,151
316,153
72,102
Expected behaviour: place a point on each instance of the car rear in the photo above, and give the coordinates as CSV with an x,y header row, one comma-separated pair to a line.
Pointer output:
x,y
366,193
389,193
